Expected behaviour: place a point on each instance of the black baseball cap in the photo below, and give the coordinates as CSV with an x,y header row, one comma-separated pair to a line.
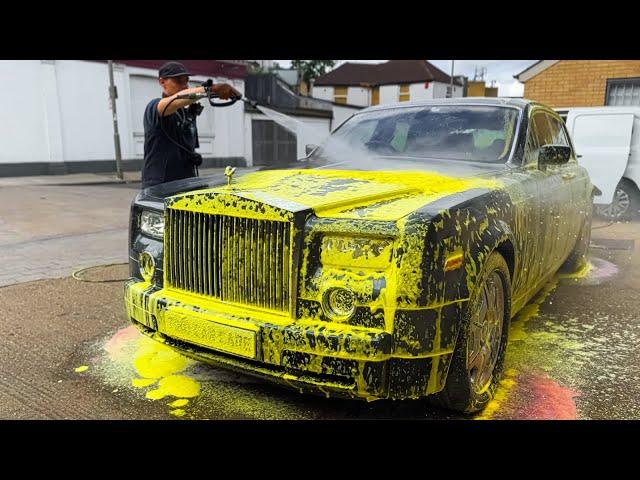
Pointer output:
x,y
172,69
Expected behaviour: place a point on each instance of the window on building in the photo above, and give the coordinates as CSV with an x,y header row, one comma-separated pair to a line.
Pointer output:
x,y
404,93
623,91
340,94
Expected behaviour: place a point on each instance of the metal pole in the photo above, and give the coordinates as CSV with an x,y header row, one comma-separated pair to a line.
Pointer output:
x,y
451,86
113,94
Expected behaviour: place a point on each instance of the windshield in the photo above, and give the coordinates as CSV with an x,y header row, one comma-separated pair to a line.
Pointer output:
x,y
471,133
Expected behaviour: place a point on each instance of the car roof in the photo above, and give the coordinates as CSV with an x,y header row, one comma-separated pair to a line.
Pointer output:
x,y
488,101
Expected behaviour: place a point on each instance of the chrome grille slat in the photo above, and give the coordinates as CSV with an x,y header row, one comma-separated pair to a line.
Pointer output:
x,y
232,259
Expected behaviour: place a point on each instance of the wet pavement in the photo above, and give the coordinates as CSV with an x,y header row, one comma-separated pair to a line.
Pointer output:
x,y
67,351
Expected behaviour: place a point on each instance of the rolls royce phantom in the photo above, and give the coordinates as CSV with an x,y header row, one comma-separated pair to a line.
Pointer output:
x,y
387,264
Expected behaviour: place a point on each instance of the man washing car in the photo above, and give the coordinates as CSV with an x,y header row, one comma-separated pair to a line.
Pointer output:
x,y
170,132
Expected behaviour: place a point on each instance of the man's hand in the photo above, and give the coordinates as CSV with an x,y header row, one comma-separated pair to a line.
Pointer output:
x,y
225,91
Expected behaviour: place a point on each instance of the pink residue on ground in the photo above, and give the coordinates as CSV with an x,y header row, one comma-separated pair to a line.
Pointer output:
x,y
550,401
121,338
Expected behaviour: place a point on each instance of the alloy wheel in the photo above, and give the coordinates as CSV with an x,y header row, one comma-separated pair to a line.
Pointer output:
x,y
485,332
618,208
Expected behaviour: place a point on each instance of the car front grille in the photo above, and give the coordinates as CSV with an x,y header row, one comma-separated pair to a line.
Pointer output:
x,y
232,259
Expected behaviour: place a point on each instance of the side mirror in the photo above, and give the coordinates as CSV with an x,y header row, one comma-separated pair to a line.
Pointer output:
x,y
553,155
310,148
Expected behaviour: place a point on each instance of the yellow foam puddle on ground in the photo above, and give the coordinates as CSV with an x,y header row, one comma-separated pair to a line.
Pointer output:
x,y
155,365
502,393
177,386
143,382
581,273
529,311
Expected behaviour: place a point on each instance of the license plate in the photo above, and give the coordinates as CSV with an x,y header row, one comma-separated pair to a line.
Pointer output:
x,y
209,334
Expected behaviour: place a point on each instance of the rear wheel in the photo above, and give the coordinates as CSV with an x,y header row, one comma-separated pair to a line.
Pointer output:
x,y
478,358
625,204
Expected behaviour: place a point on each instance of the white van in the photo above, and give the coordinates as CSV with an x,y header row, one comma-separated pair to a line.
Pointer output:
x,y
607,143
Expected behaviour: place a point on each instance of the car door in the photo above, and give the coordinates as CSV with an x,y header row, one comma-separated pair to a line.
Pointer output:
x,y
575,180
603,142
554,196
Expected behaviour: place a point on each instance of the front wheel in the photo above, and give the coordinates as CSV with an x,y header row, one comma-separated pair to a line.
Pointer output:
x,y
478,359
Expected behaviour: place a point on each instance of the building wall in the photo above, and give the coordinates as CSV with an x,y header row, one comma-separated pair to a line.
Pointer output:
x,y
578,83
340,114
323,93
475,88
388,93
56,112
29,119
358,96
418,92
85,111
440,90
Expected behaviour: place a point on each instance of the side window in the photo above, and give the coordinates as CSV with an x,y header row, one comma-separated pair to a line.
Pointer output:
x,y
532,145
557,132
399,140
543,129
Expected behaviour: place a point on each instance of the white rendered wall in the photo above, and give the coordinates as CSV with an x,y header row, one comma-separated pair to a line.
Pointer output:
x,y
86,118
340,114
323,93
440,90
418,92
29,121
358,96
388,94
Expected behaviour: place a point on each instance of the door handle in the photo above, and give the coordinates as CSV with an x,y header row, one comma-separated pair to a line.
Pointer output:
x,y
568,176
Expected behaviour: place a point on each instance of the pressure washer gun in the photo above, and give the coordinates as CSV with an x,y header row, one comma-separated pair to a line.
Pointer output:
x,y
209,95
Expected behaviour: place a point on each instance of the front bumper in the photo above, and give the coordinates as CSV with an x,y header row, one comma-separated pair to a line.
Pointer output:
x,y
314,357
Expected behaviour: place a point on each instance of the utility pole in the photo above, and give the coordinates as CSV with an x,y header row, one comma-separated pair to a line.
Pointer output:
x,y
113,94
451,85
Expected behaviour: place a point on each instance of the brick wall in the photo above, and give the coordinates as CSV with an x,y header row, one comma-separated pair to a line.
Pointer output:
x,y
578,83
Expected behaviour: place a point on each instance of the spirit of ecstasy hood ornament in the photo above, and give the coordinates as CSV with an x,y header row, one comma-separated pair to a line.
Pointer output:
x,y
229,171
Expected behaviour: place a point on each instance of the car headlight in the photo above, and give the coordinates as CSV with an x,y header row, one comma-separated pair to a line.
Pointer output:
x,y
356,252
152,224
339,303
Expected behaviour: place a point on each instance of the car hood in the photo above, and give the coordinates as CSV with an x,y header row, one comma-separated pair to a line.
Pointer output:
x,y
352,194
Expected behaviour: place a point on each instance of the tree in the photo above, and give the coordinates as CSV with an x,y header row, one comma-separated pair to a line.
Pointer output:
x,y
311,69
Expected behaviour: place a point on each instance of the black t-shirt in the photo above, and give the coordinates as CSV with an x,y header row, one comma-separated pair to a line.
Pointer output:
x,y
164,161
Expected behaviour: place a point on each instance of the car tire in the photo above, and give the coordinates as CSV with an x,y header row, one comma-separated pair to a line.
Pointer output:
x,y
468,387
625,205
578,256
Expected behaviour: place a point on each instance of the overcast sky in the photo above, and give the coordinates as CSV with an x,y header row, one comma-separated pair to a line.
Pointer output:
x,y
502,71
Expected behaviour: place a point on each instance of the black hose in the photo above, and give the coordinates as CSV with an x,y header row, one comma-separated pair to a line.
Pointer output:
x,y
190,152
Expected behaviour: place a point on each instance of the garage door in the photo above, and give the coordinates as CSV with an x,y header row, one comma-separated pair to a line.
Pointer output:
x,y
272,144
143,90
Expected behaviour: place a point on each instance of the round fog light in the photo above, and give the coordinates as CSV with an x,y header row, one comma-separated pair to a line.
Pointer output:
x,y
339,303
147,266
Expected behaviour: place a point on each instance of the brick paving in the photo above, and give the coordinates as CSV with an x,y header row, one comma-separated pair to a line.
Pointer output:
x,y
53,225
59,256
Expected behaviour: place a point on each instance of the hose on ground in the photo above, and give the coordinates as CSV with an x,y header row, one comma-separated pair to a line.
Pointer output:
x,y
77,272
